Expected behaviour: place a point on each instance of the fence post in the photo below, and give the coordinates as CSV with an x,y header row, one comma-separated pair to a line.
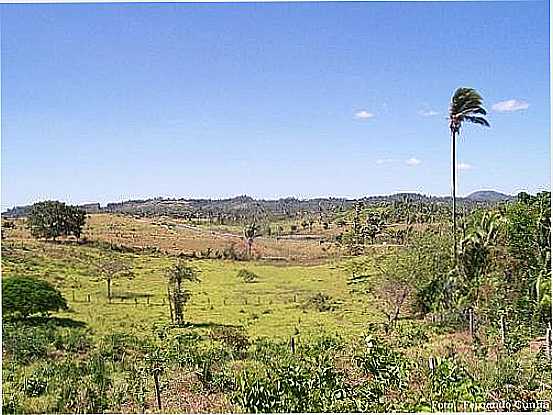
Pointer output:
x,y
88,297
503,330
158,392
471,322
292,345
135,301
148,300
548,341
295,298
432,363
73,295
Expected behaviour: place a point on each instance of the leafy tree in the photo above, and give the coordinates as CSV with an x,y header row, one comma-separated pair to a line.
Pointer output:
x,y
52,219
28,296
109,269
466,106
178,295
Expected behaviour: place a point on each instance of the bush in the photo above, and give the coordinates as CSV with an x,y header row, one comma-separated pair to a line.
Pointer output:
x,y
234,338
320,302
247,276
28,296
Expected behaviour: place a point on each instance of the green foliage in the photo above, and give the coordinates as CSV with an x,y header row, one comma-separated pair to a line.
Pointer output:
x,y
51,219
178,295
27,296
451,382
321,302
247,276
387,368
234,338
24,343
466,106
291,385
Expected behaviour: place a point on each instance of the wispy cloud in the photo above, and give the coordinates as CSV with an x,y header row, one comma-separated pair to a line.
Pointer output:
x,y
464,166
363,115
413,161
428,113
510,105
384,161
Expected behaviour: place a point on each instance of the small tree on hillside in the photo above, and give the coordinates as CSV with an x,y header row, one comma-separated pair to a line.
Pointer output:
x,y
178,295
52,219
111,269
28,296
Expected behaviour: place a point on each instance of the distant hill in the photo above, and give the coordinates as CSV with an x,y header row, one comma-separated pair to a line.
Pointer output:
x,y
242,207
489,196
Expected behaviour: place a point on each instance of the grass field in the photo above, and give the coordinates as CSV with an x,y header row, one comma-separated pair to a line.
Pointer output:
x,y
274,305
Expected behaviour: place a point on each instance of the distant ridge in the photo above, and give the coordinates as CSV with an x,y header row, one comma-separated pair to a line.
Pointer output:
x,y
241,205
489,196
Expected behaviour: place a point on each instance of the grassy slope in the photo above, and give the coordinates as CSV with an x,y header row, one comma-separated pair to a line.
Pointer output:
x,y
265,307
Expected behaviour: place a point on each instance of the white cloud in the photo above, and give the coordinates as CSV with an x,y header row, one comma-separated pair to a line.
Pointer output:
x,y
428,113
464,166
384,161
413,161
510,105
363,115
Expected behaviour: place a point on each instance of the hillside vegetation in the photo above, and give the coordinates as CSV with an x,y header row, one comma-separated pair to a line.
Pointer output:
x,y
361,309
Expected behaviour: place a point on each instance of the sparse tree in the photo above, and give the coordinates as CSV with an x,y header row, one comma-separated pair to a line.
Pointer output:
x,y
466,106
109,269
178,295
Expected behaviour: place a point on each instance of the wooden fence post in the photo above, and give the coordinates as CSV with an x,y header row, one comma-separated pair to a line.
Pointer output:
x,y
88,297
292,345
471,322
503,330
73,295
158,392
432,363
548,341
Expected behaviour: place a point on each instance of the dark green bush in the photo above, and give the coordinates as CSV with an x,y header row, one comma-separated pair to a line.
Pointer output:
x,y
28,296
320,302
247,276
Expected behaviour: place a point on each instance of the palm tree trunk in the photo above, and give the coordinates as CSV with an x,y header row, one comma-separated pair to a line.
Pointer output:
x,y
453,191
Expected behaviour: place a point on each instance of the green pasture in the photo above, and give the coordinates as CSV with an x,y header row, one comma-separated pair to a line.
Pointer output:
x,y
275,305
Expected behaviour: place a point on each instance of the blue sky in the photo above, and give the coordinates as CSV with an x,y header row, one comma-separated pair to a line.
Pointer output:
x,y
116,101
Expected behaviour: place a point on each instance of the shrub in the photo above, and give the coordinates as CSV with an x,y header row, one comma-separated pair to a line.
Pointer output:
x,y
292,385
247,276
320,302
28,296
25,343
231,337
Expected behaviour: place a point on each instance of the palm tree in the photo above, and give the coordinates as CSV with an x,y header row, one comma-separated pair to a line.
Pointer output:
x,y
466,106
250,233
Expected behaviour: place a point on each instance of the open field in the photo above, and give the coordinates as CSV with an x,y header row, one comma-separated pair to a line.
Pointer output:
x,y
271,306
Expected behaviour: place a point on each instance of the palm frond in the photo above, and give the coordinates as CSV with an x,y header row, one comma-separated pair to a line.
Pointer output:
x,y
466,104
477,120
